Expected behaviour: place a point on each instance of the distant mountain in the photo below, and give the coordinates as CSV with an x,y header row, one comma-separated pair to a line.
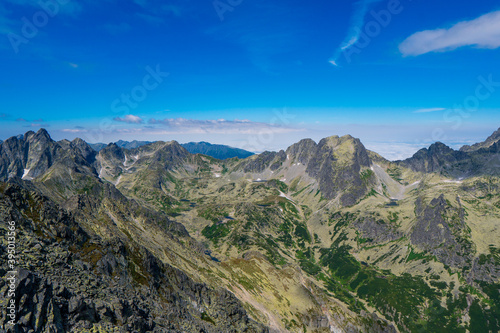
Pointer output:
x,y
479,159
120,143
490,141
435,158
220,152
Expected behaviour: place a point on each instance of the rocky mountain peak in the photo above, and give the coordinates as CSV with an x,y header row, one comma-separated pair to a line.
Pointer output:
x,y
490,141
346,148
302,151
87,152
336,163
434,158
40,137
113,152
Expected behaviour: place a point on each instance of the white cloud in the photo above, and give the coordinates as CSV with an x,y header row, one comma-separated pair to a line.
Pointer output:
x,y
130,119
429,110
394,151
354,33
219,126
73,130
482,32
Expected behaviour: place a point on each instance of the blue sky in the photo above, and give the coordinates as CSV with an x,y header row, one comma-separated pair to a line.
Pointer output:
x,y
258,74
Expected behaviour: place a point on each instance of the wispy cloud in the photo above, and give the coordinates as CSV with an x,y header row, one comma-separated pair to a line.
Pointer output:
x,y
482,32
219,126
429,110
21,120
156,13
73,130
357,22
37,125
129,119
394,151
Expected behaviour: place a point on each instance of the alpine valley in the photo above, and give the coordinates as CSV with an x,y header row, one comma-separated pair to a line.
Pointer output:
x,y
322,237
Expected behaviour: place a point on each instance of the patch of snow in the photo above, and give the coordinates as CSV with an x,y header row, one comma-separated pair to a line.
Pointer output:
x,y
284,196
26,171
415,183
217,175
258,179
287,157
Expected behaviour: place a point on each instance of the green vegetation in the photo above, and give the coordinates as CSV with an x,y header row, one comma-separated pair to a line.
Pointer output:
x,y
207,318
418,256
395,173
406,299
367,175
217,231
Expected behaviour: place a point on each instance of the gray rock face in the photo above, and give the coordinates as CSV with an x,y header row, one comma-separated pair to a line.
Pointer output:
x,y
339,174
334,162
260,162
303,150
33,154
74,281
436,158
479,159
377,230
440,229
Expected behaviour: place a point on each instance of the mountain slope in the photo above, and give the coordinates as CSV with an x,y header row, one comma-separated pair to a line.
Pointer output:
x,y
321,237
80,280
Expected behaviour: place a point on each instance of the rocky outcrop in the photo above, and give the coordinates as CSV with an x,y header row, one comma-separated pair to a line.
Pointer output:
x,y
34,154
71,281
336,164
438,157
302,151
491,140
377,230
265,160
440,229
479,159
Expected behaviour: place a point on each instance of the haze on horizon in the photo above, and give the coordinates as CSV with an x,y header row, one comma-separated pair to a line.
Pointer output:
x,y
257,75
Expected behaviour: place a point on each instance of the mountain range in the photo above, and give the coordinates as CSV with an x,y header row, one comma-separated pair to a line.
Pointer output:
x,y
220,152
320,237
